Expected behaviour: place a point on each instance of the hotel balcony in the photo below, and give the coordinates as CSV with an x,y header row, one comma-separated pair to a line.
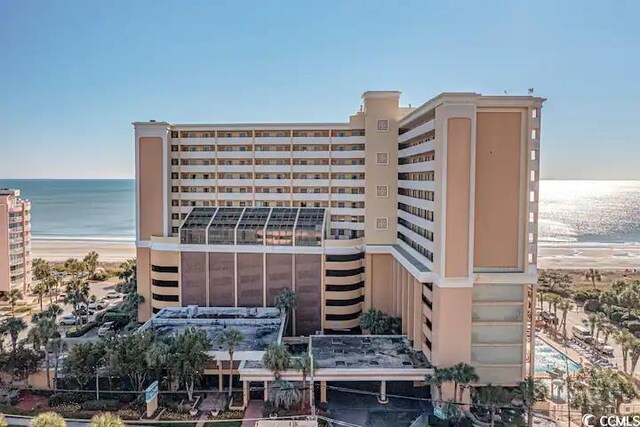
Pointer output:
x,y
417,131
210,155
234,182
310,168
273,196
418,149
311,140
418,167
310,154
284,182
417,185
348,139
272,154
284,140
418,203
273,168
235,154
310,196
235,196
348,154
194,141
422,241
198,196
234,168
310,183
193,182
414,219
196,168
347,211
346,225
347,168
235,140
348,197
347,182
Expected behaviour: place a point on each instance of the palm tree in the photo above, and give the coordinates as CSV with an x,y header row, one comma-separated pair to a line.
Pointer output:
x,y
439,377
286,301
75,267
625,340
542,297
607,330
284,394
608,299
56,346
491,397
591,322
91,262
229,340
305,364
127,272
106,419
13,296
14,326
593,275
40,290
277,359
635,354
77,293
529,392
601,320
630,298
463,375
565,307
43,331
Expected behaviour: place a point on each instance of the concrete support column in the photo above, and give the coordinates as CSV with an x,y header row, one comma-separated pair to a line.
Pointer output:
x,y
323,391
266,391
245,393
383,392
220,376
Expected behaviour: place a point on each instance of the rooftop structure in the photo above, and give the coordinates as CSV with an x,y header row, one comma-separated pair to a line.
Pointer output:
x,y
254,226
259,326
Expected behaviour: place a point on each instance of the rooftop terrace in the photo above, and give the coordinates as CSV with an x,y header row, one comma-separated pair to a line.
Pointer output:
x,y
259,326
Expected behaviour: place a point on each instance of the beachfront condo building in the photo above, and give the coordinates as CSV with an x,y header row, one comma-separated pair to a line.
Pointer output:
x,y
15,241
428,214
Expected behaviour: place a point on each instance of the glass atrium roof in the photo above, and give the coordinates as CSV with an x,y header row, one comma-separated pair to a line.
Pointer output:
x,y
254,226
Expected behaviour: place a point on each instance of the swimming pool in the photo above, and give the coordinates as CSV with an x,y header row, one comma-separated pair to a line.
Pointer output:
x,y
548,358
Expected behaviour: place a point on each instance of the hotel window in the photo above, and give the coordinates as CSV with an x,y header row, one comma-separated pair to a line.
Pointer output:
x,y
382,223
382,158
382,191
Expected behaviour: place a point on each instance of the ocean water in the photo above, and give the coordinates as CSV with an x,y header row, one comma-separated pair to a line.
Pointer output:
x,y
575,213
79,209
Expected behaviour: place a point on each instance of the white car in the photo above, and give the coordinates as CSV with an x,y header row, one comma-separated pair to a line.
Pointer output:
x,y
99,305
113,295
68,320
105,329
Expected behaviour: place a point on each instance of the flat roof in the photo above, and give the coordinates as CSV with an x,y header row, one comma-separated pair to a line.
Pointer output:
x,y
366,352
260,326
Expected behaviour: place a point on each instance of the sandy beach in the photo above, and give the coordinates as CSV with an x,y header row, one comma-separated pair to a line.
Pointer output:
x,y
567,257
60,250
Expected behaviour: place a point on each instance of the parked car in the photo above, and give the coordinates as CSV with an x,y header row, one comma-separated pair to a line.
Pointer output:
x,y
105,329
68,320
99,305
83,310
113,295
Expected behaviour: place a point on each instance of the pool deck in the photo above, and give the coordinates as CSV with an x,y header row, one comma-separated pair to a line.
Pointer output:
x,y
573,355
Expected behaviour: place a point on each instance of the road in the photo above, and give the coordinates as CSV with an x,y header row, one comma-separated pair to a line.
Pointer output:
x,y
574,318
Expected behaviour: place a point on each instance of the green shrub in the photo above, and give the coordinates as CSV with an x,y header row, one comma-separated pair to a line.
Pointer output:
x,y
67,398
120,320
101,405
48,419
592,305
100,316
616,317
630,317
586,294
633,326
74,333
100,276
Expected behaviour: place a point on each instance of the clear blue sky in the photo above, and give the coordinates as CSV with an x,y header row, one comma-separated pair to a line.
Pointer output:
x,y
75,74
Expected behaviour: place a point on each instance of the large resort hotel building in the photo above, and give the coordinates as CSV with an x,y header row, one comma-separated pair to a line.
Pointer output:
x,y
15,241
428,214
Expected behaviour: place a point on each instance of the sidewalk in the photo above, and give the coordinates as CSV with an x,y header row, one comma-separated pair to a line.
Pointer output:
x,y
253,411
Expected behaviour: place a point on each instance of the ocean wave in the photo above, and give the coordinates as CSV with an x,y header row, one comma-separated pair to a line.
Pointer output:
x,y
113,239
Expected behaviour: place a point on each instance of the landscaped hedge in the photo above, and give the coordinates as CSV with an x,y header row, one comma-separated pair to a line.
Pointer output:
x,y
101,405
74,333
592,305
616,317
586,294
68,397
633,326
120,320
